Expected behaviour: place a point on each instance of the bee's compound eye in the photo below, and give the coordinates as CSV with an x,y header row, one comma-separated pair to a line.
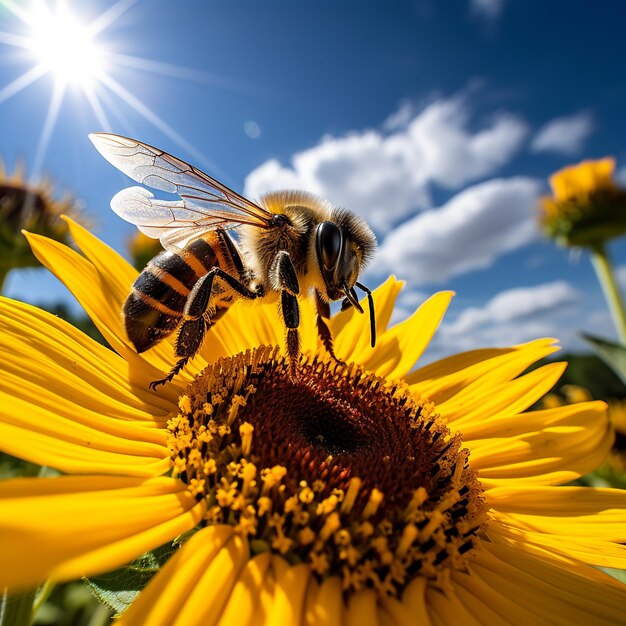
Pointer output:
x,y
328,244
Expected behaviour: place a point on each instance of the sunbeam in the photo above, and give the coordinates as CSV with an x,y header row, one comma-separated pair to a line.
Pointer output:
x,y
96,107
22,81
71,52
154,119
112,14
51,117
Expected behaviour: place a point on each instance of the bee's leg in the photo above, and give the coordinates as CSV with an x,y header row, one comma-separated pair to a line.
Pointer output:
x,y
323,311
194,328
177,368
284,278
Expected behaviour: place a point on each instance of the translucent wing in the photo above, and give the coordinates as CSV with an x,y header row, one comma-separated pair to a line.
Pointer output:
x,y
205,203
170,221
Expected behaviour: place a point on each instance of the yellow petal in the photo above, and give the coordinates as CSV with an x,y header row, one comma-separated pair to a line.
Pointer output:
x,y
67,527
396,612
78,450
554,594
49,354
207,596
447,608
484,610
478,594
165,597
441,380
401,346
326,607
243,602
267,589
289,595
246,325
414,599
595,538
351,330
484,398
90,289
362,609
570,444
591,508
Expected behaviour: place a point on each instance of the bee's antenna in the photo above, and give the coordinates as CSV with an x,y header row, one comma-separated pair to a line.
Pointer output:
x,y
370,301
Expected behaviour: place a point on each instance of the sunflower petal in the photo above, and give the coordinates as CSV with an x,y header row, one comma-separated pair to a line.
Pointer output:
x,y
488,398
414,598
167,594
544,447
395,612
553,594
480,608
447,608
326,607
590,527
402,345
91,290
477,594
243,602
92,524
362,609
49,354
289,595
267,590
351,330
86,451
448,377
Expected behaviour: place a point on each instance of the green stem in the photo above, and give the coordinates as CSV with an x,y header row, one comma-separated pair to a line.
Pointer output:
x,y
18,609
604,270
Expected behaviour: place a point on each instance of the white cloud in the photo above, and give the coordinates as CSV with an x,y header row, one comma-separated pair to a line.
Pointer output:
x,y
490,9
512,317
469,232
514,305
384,176
564,135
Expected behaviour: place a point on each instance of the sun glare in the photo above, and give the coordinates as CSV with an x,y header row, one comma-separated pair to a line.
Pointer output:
x,y
60,45
65,47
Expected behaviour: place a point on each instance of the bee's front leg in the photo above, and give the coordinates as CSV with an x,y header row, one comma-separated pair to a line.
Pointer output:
x,y
284,279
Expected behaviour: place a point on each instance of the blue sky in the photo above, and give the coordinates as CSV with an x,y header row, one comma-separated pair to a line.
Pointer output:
x,y
437,121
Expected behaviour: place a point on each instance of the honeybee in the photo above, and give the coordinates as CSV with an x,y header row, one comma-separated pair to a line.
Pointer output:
x,y
292,243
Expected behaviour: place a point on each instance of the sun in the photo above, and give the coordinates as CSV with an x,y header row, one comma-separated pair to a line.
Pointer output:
x,y
77,55
64,46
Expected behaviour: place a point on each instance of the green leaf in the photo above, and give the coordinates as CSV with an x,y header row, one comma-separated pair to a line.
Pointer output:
x,y
118,589
613,354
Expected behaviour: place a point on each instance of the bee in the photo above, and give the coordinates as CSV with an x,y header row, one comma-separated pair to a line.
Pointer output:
x,y
290,244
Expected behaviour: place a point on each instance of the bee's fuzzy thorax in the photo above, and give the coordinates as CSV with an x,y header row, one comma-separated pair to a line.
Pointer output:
x,y
280,201
305,211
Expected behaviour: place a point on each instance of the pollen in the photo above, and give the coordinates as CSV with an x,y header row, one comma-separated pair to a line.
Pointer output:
x,y
333,467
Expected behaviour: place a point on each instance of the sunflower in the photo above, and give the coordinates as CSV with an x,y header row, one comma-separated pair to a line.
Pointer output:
x,y
31,206
363,493
586,208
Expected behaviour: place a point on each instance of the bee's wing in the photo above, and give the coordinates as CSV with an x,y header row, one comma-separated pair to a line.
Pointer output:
x,y
173,222
205,202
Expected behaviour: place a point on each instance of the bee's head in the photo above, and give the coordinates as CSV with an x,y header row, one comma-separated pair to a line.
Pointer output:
x,y
343,246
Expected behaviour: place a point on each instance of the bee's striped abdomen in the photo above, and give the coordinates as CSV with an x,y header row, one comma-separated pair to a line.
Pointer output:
x,y
155,305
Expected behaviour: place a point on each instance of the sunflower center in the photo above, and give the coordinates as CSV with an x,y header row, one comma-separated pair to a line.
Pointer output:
x,y
333,467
